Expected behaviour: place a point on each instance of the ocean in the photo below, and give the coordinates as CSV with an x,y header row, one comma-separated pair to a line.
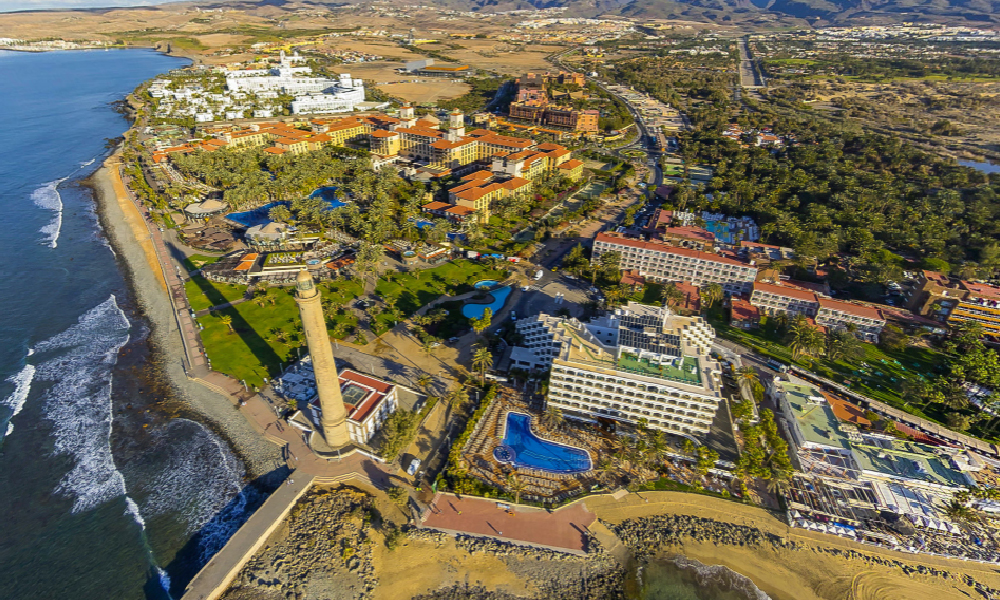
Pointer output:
x,y
108,487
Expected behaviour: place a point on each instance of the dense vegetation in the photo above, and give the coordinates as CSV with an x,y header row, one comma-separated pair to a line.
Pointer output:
x,y
868,195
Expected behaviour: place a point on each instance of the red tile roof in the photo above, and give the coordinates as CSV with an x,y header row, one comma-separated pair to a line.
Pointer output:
x,y
379,390
787,292
852,308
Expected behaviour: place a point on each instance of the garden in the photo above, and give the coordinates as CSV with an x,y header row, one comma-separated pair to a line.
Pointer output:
x,y
252,340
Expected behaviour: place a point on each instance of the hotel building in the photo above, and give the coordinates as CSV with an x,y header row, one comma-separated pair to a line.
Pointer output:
x,y
637,362
662,262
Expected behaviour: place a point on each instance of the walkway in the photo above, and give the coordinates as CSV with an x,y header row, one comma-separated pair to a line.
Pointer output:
x,y
562,529
194,353
214,578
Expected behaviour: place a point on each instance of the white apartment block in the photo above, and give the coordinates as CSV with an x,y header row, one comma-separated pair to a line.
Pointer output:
x,y
837,314
661,376
779,299
662,262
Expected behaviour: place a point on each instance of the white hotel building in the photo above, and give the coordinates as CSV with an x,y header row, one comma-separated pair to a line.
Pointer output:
x,y
638,362
658,261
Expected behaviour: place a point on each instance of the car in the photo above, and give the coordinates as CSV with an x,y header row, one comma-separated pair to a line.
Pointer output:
x,y
414,465
513,316
453,339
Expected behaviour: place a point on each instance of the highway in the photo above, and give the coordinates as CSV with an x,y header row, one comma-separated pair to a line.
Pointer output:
x,y
750,76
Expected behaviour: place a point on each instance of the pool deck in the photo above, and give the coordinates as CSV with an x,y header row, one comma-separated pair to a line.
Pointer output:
x,y
561,530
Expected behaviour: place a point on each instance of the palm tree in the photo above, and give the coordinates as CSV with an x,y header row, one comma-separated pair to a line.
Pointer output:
x,y
424,381
710,294
805,339
457,397
228,322
482,360
671,295
516,486
552,416
748,376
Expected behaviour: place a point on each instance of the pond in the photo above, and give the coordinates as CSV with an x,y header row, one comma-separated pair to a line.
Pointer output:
x,y
522,448
476,311
985,167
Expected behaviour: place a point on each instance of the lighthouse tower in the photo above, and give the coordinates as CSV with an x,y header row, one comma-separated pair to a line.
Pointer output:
x,y
333,421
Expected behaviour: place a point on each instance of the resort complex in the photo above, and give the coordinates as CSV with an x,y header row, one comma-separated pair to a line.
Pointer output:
x,y
546,290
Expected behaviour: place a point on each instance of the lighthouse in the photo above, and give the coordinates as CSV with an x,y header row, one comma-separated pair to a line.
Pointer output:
x,y
333,420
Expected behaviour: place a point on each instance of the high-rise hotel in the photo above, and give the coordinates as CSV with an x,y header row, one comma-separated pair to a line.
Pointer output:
x,y
637,362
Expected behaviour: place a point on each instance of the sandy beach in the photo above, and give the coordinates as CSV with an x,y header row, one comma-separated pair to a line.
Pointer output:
x,y
810,573
130,239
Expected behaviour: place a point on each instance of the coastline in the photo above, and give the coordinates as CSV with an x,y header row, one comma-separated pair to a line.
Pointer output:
x,y
130,239
813,566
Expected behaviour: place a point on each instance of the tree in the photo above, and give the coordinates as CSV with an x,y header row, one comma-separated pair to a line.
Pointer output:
x,y
516,487
482,360
688,447
843,345
610,263
457,397
424,381
228,322
671,295
710,294
748,376
804,338
552,416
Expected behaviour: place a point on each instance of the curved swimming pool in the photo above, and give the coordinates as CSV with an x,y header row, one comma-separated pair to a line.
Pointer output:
x,y
485,284
476,311
524,449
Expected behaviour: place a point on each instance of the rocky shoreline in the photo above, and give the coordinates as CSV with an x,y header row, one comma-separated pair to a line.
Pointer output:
x,y
647,537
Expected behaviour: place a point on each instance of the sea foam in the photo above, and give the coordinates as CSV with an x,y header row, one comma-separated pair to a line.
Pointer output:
x,y
79,362
199,481
47,197
22,386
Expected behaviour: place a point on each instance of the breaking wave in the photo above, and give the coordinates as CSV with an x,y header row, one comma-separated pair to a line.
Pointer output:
x,y
79,402
47,197
198,480
22,386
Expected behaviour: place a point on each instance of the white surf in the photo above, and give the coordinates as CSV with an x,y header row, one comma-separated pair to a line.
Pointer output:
x,y
22,386
47,197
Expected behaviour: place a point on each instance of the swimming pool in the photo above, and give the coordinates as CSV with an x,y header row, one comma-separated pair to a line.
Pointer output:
x,y
485,284
524,449
476,311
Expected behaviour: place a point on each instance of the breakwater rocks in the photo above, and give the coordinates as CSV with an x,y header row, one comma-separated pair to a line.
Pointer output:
x,y
324,550
648,536
556,575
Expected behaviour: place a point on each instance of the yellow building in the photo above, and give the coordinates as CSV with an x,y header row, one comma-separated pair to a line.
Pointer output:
x,y
979,303
571,169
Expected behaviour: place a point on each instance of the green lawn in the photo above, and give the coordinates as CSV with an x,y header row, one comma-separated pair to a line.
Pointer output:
x,y
203,293
197,261
418,288
882,379
253,350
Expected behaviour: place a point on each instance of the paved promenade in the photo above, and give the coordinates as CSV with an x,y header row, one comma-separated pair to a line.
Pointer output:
x,y
215,577
562,529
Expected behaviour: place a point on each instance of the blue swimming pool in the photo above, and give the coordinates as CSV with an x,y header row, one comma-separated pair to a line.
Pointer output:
x,y
476,311
524,449
261,214
485,284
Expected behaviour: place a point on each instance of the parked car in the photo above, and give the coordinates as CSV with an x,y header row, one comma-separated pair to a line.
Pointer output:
x,y
414,465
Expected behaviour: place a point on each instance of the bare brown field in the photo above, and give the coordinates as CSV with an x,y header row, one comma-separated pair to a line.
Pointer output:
x,y
430,91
